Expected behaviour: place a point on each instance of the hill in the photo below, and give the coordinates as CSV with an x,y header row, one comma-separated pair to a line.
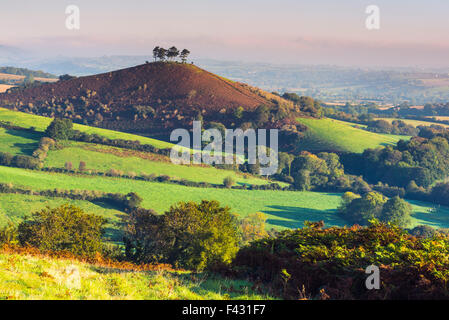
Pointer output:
x,y
339,136
144,98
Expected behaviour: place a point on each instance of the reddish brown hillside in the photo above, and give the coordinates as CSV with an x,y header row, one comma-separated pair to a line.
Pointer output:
x,y
147,96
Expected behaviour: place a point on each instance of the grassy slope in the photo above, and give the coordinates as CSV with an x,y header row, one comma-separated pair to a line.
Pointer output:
x,y
41,123
36,278
283,209
137,162
18,142
416,122
335,135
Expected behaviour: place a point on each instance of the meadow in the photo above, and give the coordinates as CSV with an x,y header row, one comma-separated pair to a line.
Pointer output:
x,y
43,278
283,209
103,158
40,123
335,135
416,123
18,142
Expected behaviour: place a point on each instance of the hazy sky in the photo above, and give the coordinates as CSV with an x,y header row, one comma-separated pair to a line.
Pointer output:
x,y
412,32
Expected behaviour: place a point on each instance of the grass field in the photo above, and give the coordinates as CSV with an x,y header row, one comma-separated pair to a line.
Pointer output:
x,y
102,158
334,135
42,278
416,123
18,142
283,209
26,120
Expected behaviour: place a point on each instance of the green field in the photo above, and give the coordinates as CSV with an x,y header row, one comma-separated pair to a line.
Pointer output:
x,y
334,135
107,158
42,278
18,142
27,120
283,209
416,123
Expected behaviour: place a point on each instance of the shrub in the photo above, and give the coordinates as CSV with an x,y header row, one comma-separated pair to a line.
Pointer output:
x,y
253,227
190,235
60,129
228,182
423,231
65,228
6,158
333,261
26,162
9,234
133,200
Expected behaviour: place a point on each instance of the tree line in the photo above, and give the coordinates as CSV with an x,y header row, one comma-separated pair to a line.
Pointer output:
x,y
161,54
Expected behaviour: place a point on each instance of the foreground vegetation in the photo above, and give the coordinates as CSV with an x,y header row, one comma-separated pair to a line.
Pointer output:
x,y
36,277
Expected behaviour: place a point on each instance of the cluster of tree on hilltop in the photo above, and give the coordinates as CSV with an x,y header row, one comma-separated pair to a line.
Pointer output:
x,y
172,53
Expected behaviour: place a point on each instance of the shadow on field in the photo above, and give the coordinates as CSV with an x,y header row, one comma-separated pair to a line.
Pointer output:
x,y
113,230
25,148
296,216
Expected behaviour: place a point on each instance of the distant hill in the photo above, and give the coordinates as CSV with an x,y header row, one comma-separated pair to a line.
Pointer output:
x,y
26,72
144,98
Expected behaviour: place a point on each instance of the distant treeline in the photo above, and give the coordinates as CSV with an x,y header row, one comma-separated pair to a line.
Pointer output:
x,y
26,72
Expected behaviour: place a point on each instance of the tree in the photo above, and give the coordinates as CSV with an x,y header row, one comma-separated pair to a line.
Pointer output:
x,y
253,227
302,180
68,166
60,129
184,54
65,228
397,211
156,53
161,54
82,166
172,53
361,210
133,200
190,235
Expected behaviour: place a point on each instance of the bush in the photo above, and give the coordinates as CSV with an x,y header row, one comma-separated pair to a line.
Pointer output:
x,y
253,227
228,182
190,235
26,162
65,228
332,262
9,235
423,231
60,129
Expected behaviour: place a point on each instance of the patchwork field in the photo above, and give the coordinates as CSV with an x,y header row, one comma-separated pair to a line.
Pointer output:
x,y
283,209
334,135
416,123
102,159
